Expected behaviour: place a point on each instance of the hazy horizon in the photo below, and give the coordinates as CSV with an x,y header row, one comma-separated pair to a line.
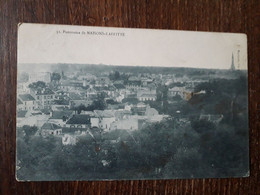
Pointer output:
x,y
46,67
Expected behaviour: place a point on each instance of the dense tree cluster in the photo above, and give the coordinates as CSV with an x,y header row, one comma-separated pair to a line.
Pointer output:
x,y
55,77
37,85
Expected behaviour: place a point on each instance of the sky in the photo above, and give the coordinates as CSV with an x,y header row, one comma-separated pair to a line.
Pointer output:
x,y
41,43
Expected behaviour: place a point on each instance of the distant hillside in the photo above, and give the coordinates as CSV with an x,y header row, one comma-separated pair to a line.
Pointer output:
x,y
98,69
101,68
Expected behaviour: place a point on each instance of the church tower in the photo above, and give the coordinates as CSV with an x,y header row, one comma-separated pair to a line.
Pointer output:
x,y
232,63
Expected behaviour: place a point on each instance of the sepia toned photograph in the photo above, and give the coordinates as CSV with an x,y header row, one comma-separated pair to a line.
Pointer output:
x,y
98,103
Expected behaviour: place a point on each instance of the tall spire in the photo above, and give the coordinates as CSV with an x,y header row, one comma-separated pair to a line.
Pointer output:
x,y
238,61
232,63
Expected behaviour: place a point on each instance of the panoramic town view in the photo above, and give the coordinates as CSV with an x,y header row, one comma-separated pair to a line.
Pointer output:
x,y
94,122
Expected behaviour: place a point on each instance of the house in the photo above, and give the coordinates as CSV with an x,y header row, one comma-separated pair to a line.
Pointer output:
x,y
23,114
77,99
139,109
146,95
70,85
133,78
147,81
26,102
22,88
31,118
44,97
76,103
111,91
157,118
19,104
118,82
102,81
91,93
122,114
50,129
128,124
133,85
58,107
62,93
175,91
75,96
150,111
184,92
119,86
68,139
115,106
103,119
151,86
60,117
79,121
120,97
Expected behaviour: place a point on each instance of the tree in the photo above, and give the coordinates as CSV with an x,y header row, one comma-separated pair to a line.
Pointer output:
x,y
225,151
99,105
80,108
114,76
202,126
55,77
29,131
111,101
38,84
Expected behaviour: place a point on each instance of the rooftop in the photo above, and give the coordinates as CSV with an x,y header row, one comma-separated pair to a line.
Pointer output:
x,y
19,101
79,119
134,83
21,113
148,95
26,97
50,126
44,91
61,114
75,96
71,83
104,113
101,88
119,86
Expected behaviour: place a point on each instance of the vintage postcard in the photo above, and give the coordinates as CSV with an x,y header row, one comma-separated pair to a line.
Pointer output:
x,y
99,103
